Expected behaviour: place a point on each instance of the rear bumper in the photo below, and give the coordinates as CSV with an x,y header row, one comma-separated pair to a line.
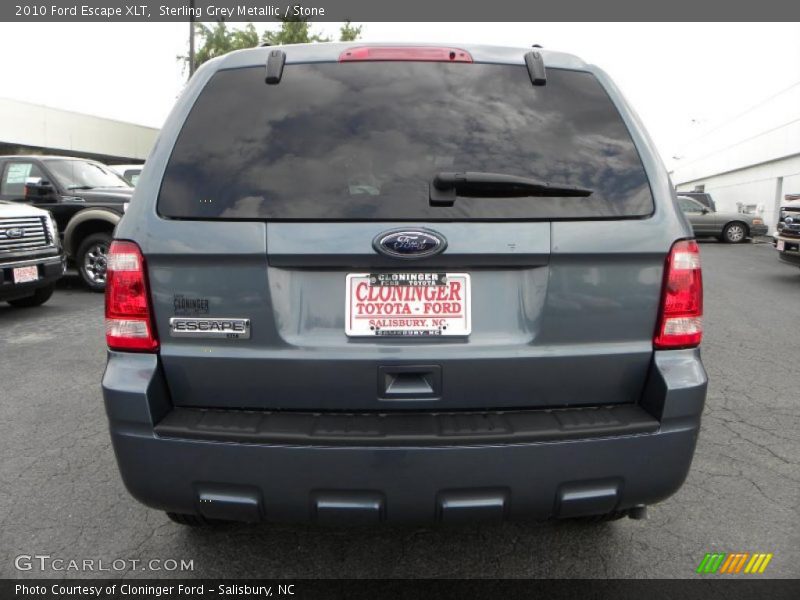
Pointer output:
x,y
756,230
50,267
324,481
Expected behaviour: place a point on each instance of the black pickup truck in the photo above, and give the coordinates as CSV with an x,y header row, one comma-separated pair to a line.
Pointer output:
x,y
85,197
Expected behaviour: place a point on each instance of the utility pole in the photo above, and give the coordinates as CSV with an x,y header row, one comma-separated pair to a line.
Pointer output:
x,y
191,38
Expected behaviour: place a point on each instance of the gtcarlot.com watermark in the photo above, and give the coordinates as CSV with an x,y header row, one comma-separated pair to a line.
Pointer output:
x,y
46,562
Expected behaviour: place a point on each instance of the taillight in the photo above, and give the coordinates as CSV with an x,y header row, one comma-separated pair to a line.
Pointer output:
x,y
129,324
680,322
416,53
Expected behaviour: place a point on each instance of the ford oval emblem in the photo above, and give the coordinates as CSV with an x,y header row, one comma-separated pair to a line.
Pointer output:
x,y
409,243
14,233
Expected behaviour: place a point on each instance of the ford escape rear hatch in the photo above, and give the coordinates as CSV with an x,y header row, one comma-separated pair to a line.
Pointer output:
x,y
318,230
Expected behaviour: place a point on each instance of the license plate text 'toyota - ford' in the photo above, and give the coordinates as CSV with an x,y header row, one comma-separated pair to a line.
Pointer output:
x,y
408,304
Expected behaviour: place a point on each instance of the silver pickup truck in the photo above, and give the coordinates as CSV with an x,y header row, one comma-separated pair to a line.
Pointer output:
x,y
31,259
787,238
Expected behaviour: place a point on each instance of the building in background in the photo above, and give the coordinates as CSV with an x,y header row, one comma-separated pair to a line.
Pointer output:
x,y
750,163
34,129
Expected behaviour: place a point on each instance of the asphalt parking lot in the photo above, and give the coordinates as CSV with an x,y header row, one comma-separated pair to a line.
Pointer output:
x,y
61,495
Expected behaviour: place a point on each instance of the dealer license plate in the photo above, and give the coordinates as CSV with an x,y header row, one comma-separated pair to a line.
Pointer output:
x,y
26,274
408,304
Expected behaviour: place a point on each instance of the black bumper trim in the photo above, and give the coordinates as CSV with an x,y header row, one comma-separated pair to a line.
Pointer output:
x,y
404,429
50,269
792,258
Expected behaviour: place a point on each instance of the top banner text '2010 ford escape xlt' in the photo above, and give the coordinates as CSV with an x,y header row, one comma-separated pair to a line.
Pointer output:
x,y
366,283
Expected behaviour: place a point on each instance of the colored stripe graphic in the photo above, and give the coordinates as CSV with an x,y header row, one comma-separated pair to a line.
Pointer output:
x,y
732,558
765,563
711,562
742,561
734,562
758,563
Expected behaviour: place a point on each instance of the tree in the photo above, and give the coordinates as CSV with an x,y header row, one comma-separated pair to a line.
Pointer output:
x,y
217,40
292,31
349,33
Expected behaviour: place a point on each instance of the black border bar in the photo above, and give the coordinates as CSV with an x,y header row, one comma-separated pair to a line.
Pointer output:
x,y
706,588
398,10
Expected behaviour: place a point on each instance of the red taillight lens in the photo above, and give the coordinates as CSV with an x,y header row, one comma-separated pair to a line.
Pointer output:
x,y
417,53
680,323
129,325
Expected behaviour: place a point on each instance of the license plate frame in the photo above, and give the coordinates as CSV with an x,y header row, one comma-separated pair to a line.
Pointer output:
x,y
447,296
26,274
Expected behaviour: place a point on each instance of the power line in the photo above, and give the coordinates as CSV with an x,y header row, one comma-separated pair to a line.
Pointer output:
x,y
741,114
721,150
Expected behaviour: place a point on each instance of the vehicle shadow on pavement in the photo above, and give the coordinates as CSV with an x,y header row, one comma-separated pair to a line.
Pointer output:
x,y
72,282
520,549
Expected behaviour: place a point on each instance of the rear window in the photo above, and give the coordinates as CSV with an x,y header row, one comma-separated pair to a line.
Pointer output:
x,y
362,141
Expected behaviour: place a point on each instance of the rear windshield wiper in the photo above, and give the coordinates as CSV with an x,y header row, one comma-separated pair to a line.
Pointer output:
x,y
446,187
80,187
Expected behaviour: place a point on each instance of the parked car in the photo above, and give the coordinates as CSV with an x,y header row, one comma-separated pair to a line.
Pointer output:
x,y
787,238
31,260
85,197
403,283
730,227
129,172
703,198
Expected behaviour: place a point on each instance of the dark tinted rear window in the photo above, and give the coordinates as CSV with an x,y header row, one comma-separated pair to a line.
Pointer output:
x,y
363,141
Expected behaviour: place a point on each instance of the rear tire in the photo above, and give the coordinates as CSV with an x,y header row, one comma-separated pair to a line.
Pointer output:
x,y
597,519
734,233
38,298
91,259
606,518
189,520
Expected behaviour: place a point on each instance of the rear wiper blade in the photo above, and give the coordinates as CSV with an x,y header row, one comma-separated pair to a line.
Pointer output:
x,y
446,187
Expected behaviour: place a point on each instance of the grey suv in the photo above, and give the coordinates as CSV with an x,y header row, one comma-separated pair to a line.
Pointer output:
x,y
365,283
